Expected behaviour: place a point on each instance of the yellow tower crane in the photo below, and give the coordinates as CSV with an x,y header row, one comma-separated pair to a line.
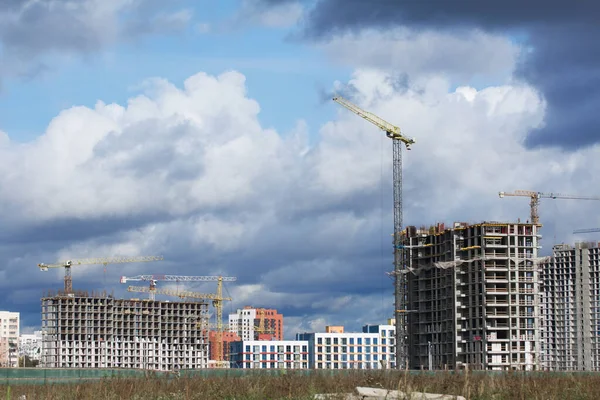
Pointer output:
x,y
400,256
535,197
218,304
91,261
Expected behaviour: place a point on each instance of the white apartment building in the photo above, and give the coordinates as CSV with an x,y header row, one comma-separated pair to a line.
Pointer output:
x,y
245,323
9,329
30,345
335,349
269,354
242,323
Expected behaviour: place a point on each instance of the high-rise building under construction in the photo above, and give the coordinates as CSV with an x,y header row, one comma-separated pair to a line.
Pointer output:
x,y
571,299
99,331
473,296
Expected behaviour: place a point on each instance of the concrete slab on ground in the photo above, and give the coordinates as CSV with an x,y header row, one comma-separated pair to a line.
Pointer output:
x,y
366,393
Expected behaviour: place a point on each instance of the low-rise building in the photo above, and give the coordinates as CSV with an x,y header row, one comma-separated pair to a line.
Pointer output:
x,y
270,354
30,345
335,349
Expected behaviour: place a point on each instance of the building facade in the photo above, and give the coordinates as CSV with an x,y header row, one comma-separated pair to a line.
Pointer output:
x,y
227,337
335,349
10,330
81,331
571,297
269,354
246,323
474,297
30,345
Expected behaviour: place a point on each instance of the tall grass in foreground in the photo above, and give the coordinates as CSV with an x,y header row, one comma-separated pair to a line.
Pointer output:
x,y
476,386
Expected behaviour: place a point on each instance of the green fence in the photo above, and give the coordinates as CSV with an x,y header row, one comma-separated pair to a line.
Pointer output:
x,y
28,376
41,376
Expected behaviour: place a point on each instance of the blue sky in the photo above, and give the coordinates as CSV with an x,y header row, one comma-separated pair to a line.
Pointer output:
x,y
267,56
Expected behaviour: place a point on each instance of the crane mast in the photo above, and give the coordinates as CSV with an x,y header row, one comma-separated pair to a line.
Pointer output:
x,y
400,256
218,304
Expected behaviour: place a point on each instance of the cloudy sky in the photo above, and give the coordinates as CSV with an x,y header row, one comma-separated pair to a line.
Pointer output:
x,y
204,131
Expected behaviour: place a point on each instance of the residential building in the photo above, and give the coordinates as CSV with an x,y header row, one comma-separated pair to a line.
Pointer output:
x,y
4,352
246,323
269,354
227,338
336,349
473,296
30,345
99,331
571,298
10,329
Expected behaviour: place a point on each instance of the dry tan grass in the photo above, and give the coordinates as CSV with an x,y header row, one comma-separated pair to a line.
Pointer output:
x,y
474,386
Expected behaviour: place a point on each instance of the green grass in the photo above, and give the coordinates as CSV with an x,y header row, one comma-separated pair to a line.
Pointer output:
x,y
477,386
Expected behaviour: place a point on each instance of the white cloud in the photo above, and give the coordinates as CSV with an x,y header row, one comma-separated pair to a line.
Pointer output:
x,y
461,55
188,172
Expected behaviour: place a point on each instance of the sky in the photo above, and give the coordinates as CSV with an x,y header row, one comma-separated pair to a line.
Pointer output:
x,y
204,132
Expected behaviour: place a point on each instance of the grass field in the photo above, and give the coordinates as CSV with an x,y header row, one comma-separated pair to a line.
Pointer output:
x,y
295,386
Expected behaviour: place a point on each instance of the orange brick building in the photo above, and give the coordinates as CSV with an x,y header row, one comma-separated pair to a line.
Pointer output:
x,y
273,322
228,337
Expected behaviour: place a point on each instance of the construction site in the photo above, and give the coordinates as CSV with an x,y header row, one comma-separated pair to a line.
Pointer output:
x,y
99,331
471,295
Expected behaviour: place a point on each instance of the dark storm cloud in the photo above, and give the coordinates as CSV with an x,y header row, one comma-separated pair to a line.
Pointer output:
x,y
564,63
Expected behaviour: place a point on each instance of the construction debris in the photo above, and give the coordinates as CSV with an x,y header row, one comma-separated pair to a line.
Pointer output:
x,y
367,393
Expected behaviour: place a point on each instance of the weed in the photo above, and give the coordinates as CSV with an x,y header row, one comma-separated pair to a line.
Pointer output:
x,y
300,385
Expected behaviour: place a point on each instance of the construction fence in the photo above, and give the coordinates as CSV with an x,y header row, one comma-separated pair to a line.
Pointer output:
x,y
42,376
